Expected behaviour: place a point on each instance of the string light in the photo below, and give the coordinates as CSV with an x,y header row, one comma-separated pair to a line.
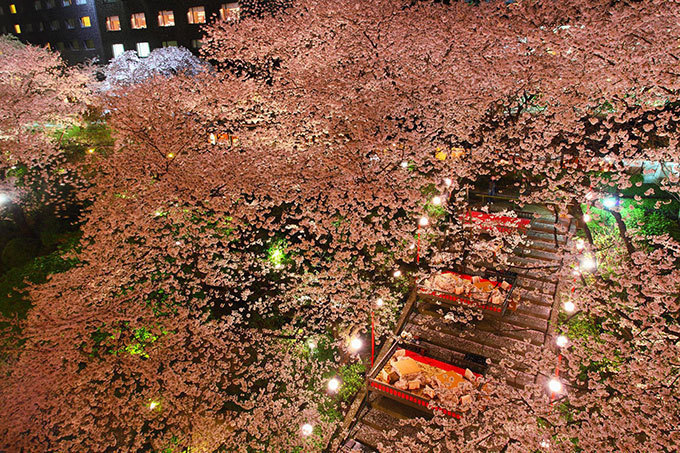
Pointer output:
x,y
404,164
423,221
397,273
170,155
311,344
90,151
153,405
569,306
586,218
448,182
355,344
333,385
545,444
561,341
436,201
379,302
307,429
555,385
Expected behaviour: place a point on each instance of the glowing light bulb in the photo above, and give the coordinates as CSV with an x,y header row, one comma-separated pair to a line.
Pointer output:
x,y
609,202
545,444
397,273
153,405
412,246
569,306
561,341
436,201
307,429
379,302
90,151
423,221
355,344
555,385
404,164
580,244
333,385
170,155
586,218
448,182
311,344
588,263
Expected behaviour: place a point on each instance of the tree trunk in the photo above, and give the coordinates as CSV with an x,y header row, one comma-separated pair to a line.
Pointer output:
x,y
623,231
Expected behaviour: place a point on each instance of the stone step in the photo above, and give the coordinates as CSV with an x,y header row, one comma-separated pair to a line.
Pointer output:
x,y
519,319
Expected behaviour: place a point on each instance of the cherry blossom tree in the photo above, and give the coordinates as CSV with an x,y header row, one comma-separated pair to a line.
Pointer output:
x,y
240,220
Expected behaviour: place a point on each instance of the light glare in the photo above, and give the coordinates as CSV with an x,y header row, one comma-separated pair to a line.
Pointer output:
x,y
561,341
333,384
355,344
307,429
423,221
555,385
569,306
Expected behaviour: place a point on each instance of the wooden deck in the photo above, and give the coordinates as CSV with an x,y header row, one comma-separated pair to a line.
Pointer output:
x,y
375,419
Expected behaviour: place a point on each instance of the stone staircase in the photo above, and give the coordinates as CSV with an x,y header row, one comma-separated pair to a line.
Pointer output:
x,y
379,420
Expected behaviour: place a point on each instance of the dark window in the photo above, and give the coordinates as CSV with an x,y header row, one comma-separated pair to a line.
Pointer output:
x,y
89,44
54,25
70,23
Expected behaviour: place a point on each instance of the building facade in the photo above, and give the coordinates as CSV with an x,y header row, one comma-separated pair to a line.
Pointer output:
x,y
86,29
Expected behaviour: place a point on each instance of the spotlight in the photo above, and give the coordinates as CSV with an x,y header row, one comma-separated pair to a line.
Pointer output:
x,y
333,385
355,344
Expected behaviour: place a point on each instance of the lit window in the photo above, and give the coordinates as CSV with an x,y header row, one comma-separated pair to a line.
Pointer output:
x,y
229,11
117,49
37,5
85,22
70,23
196,15
17,29
166,18
81,2
196,43
138,20
54,25
60,45
13,8
49,4
169,43
89,43
113,23
143,49
66,2
74,45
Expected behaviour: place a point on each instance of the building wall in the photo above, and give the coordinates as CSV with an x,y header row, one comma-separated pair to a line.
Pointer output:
x,y
37,23
38,32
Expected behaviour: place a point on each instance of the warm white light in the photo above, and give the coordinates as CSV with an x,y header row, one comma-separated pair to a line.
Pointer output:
x,y
545,444
555,385
580,244
586,218
436,201
448,182
355,344
561,341
404,164
4,198
379,302
153,405
311,344
569,306
307,429
412,246
90,151
423,221
397,273
588,263
333,385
